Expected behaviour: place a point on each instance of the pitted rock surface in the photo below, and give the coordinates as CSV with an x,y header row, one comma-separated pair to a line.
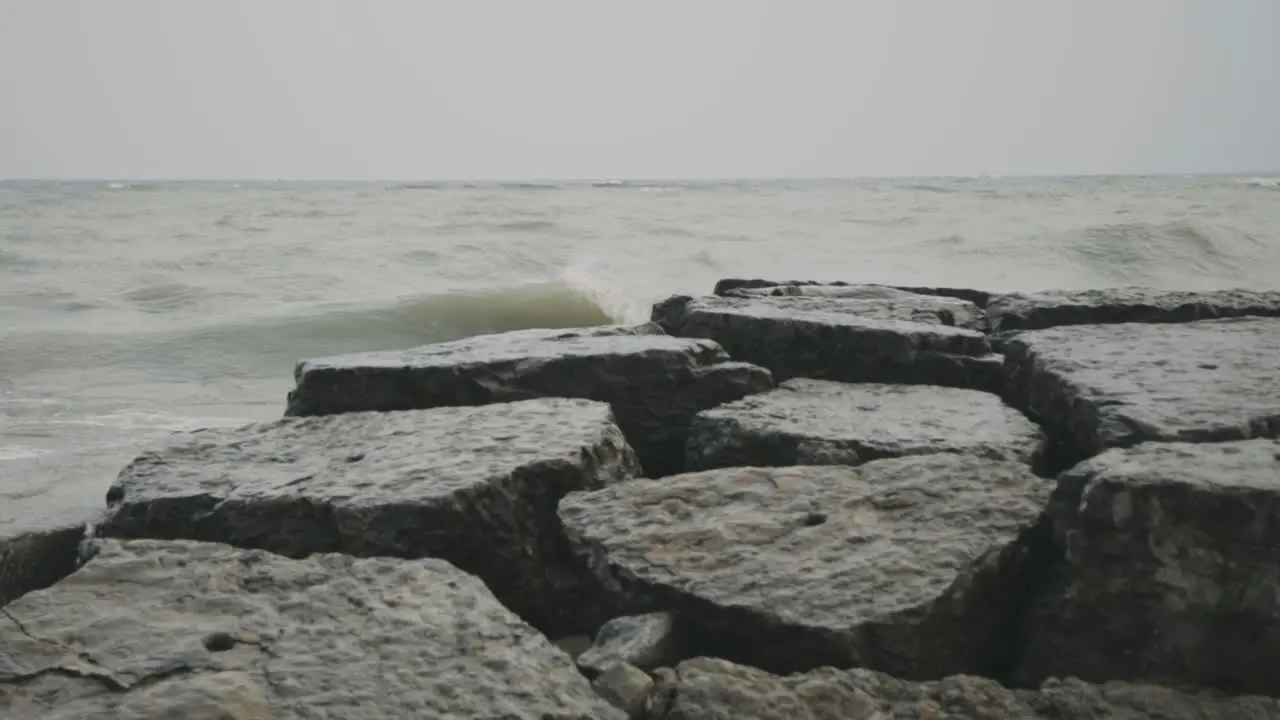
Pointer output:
x,y
1101,386
818,422
477,486
1170,573
654,382
707,689
729,285
203,631
1037,310
906,339
948,310
32,559
910,565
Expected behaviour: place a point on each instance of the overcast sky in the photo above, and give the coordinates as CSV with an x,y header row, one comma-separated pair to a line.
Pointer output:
x,y
463,89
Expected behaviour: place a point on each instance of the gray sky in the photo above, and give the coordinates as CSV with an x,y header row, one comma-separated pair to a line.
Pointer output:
x,y
401,89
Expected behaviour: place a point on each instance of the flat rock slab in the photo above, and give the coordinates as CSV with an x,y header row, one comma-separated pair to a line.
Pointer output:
x,y
910,565
818,422
704,688
477,486
1034,311
36,558
931,308
905,338
1171,573
654,382
730,285
1101,386
202,631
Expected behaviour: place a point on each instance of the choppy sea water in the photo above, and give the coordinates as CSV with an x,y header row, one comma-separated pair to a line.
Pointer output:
x,y
130,310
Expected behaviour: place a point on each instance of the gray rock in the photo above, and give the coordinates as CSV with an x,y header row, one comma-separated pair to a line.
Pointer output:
x,y
1170,573
910,565
645,641
908,339
625,687
1033,311
202,631
818,422
1099,386
654,382
477,486
704,688
37,558
728,285
948,310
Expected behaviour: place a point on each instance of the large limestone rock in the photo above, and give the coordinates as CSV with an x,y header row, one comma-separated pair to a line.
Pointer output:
x,y
818,422
154,630
32,558
477,486
898,337
1100,386
654,382
1037,310
709,689
730,285
911,565
1171,573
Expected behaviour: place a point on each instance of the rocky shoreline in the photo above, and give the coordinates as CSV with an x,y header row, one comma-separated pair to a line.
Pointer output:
x,y
781,500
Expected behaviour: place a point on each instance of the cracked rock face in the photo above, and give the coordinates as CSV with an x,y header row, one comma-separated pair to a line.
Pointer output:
x,y
818,422
903,338
707,689
31,559
1102,386
1170,573
201,631
1051,308
654,382
911,565
477,486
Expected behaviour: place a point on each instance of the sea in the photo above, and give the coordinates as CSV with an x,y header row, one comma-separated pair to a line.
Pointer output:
x,y
131,310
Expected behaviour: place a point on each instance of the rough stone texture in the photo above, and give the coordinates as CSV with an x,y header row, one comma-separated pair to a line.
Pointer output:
x,y
910,565
1033,311
1100,386
709,689
727,285
645,641
1171,573
477,486
948,310
36,559
818,422
625,687
906,339
202,631
654,382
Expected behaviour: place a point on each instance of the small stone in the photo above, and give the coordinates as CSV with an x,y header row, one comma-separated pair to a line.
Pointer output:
x,y
625,687
645,641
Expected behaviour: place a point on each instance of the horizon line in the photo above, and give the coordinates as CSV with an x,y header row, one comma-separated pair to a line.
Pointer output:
x,y
632,179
